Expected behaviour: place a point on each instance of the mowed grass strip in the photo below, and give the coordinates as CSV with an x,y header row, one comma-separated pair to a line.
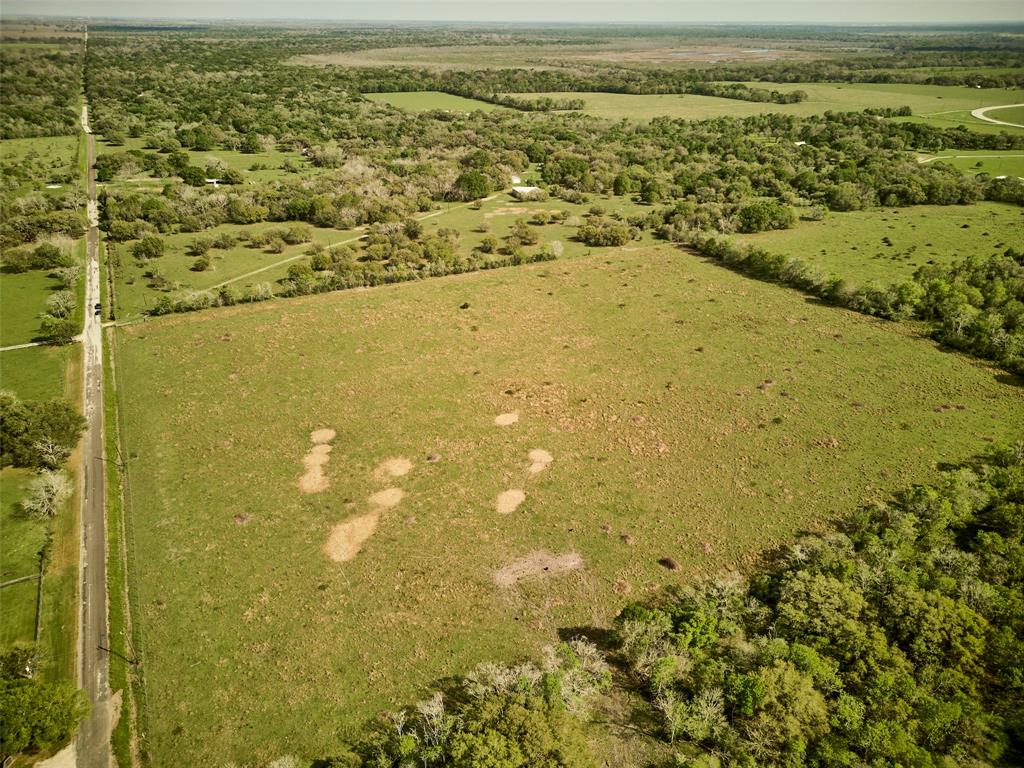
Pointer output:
x,y
689,413
885,245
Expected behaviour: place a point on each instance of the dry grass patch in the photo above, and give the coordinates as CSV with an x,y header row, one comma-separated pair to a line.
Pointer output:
x,y
347,539
509,501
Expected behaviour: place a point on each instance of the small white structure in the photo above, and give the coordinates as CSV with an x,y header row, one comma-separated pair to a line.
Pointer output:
x,y
525,190
215,182
799,143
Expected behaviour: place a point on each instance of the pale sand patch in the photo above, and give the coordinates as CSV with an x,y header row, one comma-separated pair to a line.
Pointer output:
x,y
393,468
321,436
314,481
538,564
346,539
506,419
387,498
540,460
510,210
508,501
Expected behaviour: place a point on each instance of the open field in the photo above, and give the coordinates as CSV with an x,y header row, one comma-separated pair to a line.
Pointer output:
x,y
54,164
645,50
981,161
23,539
271,161
852,245
245,267
926,101
685,412
420,101
23,299
34,373
1008,115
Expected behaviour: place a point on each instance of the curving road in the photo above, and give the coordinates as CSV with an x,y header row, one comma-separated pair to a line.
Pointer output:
x,y
980,114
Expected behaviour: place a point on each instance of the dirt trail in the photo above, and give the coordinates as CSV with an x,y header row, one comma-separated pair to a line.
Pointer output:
x,y
980,114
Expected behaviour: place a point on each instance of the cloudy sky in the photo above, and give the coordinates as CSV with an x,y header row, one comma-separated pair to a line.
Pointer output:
x,y
679,11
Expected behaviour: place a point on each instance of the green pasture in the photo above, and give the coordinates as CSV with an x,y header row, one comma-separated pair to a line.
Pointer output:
x,y
52,158
924,100
691,413
272,159
22,300
852,245
974,161
422,101
23,539
34,373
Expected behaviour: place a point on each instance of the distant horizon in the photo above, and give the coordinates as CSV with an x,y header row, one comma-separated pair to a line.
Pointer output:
x,y
870,13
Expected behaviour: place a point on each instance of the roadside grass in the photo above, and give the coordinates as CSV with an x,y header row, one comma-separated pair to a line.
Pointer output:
x,y
982,161
851,245
59,637
691,414
822,97
24,537
421,101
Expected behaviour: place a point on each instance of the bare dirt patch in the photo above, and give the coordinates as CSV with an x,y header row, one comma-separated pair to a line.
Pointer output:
x,y
387,498
540,459
314,480
506,419
397,467
347,538
512,210
537,565
318,436
509,501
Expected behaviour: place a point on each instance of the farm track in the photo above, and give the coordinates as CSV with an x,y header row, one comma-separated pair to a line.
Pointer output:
x,y
980,114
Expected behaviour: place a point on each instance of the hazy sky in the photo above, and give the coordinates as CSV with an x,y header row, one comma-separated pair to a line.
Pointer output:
x,y
680,11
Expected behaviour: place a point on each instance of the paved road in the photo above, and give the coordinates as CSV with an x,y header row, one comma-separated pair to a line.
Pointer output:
x,y
980,114
93,745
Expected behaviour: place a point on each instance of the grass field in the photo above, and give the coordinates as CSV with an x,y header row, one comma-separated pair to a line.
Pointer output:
x,y
926,101
851,244
273,159
245,267
22,301
54,158
690,413
23,539
421,101
1008,115
983,161
34,373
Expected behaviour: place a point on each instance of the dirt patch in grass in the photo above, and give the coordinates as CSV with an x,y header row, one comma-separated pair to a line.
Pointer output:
x,y
397,467
509,501
537,565
540,459
387,498
347,539
314,480
510,210
318,436
506,419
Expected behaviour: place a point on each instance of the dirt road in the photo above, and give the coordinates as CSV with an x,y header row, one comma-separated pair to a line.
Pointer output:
x,y
93,746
